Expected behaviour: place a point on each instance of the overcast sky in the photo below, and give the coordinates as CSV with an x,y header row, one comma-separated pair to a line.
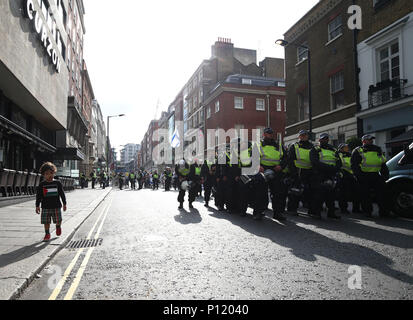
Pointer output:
x,y
142,52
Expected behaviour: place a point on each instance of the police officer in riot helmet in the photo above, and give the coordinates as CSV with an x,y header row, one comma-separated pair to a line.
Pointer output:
x,y
368,163
301,172
326,165
226,193
182,170
208,179
273,161
348,187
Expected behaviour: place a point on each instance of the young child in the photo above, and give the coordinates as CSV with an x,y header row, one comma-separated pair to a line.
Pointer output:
x,y
49,193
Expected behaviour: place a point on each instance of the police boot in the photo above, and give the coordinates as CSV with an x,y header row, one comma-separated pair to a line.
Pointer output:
x,y
181,205
206,204
332,214
279,217
191,206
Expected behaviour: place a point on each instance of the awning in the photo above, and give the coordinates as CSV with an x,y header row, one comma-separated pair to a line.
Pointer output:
x,y
401,140
69,154
16,129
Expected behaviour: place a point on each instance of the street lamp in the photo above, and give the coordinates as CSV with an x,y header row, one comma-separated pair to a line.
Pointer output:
x,y
107,142
285,43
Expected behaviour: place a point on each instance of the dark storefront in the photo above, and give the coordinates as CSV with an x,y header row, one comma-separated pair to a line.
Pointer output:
x,y
24,142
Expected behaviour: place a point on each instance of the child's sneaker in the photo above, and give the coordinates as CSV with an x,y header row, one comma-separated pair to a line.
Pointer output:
x,y
58,231
46,238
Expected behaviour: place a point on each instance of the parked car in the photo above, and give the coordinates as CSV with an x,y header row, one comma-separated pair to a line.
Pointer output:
x,y
401,182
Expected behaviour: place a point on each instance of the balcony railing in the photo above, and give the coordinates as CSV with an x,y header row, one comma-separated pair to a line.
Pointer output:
x,y
386,92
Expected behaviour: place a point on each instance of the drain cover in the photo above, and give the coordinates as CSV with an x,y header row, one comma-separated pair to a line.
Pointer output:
x,y
78,244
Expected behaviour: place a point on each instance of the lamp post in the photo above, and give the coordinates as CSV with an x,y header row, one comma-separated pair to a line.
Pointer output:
x,y
284,44
107,141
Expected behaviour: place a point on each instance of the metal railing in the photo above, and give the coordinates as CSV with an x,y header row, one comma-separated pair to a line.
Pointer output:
x,y
386,92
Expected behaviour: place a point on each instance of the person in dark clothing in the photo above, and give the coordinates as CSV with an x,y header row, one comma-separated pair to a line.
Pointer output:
x,y
300,172
208,179
348,187
368,163
94,177
121,181
226,195
274,158
326,166
184,174
168,178
49,194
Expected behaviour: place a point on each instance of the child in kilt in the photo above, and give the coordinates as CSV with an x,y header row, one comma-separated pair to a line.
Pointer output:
x,y
49,193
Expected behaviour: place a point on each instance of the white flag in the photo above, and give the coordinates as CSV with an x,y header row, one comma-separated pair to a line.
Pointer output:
x,y
175,141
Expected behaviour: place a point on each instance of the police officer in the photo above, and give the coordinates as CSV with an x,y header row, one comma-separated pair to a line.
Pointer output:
x,y
301,171
121,181
182,170
82,180
245,183
208,179
155,180
139,177
196,183
273,162
326,165
132,178
94,177
348,188
168,178
368,163
226,193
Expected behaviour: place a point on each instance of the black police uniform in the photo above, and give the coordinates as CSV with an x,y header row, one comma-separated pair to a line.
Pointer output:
x,y
348,188
371,182
226,192
208,174
323,173
300,177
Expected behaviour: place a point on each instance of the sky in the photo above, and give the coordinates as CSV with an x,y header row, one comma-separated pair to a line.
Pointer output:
x,y
140,54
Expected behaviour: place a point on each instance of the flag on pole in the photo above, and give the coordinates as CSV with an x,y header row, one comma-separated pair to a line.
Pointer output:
x,y
175,141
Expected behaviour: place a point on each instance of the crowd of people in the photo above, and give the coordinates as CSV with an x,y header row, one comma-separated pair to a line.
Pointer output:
x,y
315,175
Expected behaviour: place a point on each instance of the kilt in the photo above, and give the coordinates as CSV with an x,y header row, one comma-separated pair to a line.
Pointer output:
x,y
51,214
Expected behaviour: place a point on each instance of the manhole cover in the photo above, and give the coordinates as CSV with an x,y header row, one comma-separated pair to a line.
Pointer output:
x,y
84,243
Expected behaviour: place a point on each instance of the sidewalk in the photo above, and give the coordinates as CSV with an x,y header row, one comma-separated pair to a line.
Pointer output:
x,y
22,252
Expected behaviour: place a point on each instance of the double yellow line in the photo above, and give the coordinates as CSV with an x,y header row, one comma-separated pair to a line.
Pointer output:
x,y
85,261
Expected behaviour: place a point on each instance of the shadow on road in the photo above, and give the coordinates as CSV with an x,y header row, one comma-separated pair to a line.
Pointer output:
x,y
350,225
191,217
306,244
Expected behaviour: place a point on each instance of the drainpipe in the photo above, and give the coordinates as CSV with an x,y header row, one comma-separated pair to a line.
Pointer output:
x,y
268,112
360,129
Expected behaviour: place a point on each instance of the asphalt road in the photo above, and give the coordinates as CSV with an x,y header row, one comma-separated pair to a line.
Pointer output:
x,y
152,251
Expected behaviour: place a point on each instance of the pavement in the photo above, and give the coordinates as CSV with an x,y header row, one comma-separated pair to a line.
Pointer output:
x,y
23,254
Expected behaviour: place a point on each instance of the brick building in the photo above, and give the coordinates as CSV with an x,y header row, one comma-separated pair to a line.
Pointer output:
x,y
246,102
333,69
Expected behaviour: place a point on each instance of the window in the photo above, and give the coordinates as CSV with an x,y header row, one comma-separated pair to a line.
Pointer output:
x,y
260,105
239,103
217,106
335,28
278,104
285,105
302,52
389,62
209,112
337,90
247,81
303,109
